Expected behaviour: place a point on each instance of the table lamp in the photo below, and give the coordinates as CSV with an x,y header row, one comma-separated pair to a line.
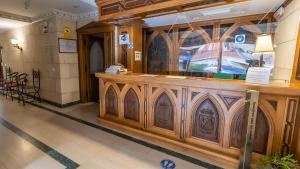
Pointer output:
x,y
263,45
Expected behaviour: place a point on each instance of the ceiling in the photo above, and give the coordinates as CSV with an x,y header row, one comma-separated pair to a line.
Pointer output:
x,y
226,11
7,24
38,7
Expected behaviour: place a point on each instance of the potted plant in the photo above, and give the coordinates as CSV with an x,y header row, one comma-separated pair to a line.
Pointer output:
x,y
278,162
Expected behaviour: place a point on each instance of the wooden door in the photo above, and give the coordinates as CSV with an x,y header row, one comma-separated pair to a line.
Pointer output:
x,y
86,36
89,83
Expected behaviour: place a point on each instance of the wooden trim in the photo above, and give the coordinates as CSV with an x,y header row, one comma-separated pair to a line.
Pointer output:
x,y
171,4
296,66
213,129
212,22
83,63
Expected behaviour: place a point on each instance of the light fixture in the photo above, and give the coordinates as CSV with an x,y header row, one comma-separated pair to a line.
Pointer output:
x,y
16,43
263,45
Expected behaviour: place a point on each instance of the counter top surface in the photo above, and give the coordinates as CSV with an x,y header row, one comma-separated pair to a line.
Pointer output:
x,y
292,89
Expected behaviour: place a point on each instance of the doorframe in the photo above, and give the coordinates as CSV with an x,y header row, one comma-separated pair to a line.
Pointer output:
x,y
1,62
82,33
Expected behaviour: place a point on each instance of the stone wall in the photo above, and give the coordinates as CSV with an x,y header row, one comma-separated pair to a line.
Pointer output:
x,y
59,72
286,40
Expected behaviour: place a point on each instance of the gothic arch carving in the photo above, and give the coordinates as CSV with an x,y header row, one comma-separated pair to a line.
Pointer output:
x,y
261,137
160,56
111,101
207,120
235,26
199,31
164,113
131,105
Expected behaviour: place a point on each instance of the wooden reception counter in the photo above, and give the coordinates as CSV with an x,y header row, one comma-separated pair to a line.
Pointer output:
x,y
199,116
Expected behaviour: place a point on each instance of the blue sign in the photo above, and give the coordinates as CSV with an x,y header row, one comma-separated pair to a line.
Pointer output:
x,y
167,164
240,38
130,45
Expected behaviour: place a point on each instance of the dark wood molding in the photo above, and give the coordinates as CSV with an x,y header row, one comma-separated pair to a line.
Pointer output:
x,y
194,94
229,100
273,103
290,123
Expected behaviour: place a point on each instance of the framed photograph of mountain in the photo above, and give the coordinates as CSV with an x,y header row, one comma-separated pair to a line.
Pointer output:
x,y
67,45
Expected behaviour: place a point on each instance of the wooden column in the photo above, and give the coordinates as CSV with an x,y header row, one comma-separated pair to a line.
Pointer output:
x,y
134,29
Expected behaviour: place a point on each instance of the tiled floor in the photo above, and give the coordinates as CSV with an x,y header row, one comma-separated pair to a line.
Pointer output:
x,y
86,146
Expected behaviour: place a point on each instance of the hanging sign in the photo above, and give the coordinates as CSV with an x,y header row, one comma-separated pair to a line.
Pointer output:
x,y
124,39
67,32
240,38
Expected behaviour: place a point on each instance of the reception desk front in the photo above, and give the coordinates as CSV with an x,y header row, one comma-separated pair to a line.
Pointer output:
x,y
201,117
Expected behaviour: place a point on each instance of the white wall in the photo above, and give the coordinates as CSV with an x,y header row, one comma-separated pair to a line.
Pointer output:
x,y
286,40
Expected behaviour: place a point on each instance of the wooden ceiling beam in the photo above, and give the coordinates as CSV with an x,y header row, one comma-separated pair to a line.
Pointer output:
x,y
176,5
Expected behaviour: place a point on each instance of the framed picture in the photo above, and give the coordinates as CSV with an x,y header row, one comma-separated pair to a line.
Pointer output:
x,y
67,45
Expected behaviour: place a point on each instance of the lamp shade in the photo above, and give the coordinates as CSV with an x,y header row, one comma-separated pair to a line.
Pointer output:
x,y
264,44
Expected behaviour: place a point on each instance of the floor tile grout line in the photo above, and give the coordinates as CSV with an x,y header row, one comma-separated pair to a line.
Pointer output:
x,y
62,159
130,138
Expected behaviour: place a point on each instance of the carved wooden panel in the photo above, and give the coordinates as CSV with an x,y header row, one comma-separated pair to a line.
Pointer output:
x,y
131,106
290,123
126,5
273,103
163,112
205,122
261,133
229,100
111,101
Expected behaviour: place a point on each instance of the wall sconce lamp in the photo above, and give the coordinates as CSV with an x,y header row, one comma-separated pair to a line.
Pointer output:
x,y
263,45
16,43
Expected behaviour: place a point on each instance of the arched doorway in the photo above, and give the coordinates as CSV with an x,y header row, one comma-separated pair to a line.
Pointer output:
x,y
95,55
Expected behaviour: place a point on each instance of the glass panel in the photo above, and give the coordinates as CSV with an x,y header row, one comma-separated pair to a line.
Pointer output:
x,y
158,56
196,55
262,25
191,48
224,28
237,51
96,58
